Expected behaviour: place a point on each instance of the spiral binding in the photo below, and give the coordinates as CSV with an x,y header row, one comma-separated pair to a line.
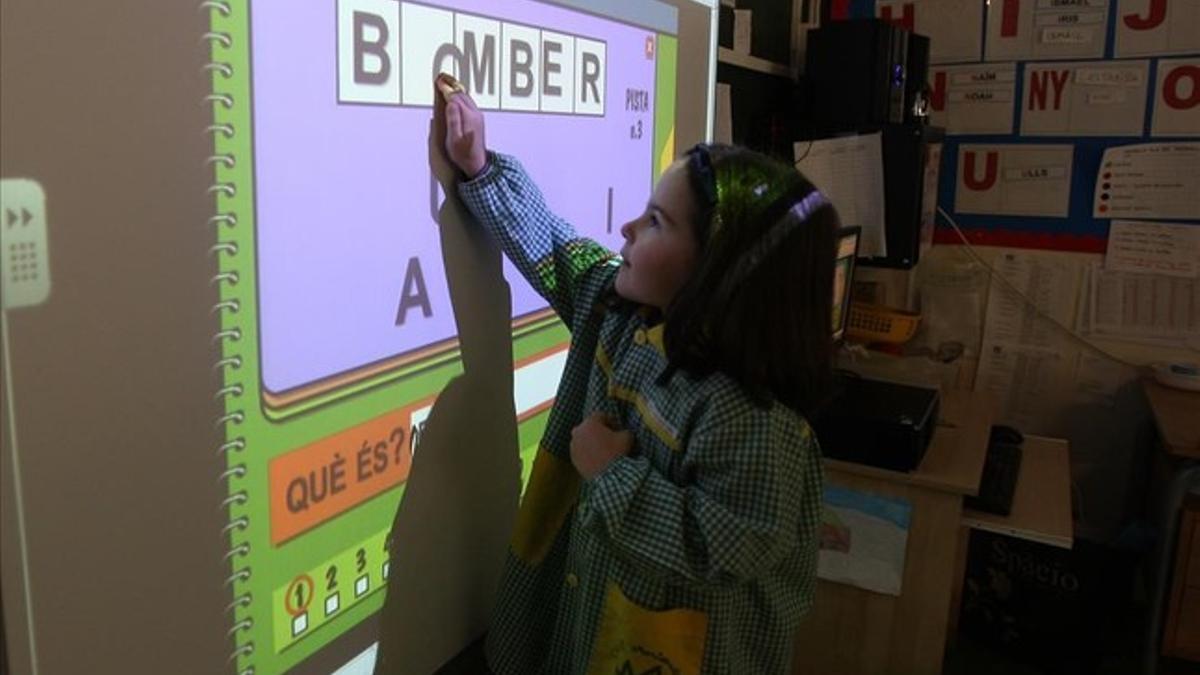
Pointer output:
x,y
229,338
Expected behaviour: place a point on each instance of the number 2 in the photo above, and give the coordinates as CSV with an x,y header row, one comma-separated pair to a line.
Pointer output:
x,y
331,575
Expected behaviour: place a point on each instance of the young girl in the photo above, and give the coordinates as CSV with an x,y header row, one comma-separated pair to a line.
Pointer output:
x,y
670,523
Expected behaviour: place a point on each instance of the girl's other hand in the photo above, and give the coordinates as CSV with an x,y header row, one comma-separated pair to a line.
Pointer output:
x,y
595,444
463,124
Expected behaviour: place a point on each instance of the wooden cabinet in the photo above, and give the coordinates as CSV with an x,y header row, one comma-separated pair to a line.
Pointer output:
x,y
1181,638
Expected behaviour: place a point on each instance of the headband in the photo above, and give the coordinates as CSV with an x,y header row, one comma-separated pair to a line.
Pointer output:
x,y
795,212
796,215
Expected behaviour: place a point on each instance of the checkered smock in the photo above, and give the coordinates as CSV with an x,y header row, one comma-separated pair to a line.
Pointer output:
x,y
697,552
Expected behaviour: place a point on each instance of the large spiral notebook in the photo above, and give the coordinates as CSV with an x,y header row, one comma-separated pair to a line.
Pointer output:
x,y
335,326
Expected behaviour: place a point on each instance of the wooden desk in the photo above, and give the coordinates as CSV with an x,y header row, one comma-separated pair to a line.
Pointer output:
x,y
1041,508
852,630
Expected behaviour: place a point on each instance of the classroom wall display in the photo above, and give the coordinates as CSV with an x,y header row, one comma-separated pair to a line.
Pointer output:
x,y
1049,76
973,99
338,330
1156,27
1044,35
1061,29
1016,180
952,26
1091,98
1177,98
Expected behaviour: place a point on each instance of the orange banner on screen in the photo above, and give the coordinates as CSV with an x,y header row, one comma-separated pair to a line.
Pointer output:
x,y
321,480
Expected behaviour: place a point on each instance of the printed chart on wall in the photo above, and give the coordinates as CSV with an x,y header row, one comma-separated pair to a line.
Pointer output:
x,y
336,327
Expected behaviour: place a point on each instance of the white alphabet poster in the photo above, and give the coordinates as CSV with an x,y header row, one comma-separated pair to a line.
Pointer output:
x,y
1015,180
1045,29
1093,98
1177,98
1154,27
973,99
953,26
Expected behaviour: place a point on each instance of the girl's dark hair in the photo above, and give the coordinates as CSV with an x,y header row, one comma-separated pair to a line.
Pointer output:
x,y
758,307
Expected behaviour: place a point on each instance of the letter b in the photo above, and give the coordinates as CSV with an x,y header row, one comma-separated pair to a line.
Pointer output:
x,y
373,48
368,51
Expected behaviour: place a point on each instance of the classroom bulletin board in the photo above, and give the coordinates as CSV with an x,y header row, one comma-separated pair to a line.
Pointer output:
x,y
1032,93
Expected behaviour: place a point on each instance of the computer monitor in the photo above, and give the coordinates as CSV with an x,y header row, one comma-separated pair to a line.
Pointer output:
x,y
843,278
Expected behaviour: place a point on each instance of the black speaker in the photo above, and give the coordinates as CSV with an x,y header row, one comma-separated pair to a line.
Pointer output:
x,y
911,158
855,71
916,80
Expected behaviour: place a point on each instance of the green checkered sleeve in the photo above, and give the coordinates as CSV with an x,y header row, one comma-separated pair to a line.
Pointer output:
x,y
746,511
544,248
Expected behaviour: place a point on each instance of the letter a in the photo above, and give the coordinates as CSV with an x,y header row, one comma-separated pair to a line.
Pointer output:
x,y
414,293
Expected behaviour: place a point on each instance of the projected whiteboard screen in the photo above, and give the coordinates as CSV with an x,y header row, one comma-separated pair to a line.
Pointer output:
x,y
337,327
350,274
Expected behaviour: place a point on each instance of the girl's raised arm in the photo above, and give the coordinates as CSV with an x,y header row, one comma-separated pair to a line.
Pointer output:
x,y
560,265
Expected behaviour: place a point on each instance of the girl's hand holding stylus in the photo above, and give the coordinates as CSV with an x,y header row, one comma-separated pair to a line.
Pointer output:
x,y
596,443
464,134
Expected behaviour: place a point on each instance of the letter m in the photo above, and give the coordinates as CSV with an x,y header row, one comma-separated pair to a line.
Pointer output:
x,y
479,68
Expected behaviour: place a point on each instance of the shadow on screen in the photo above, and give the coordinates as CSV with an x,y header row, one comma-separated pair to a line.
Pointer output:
x,y
452,526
